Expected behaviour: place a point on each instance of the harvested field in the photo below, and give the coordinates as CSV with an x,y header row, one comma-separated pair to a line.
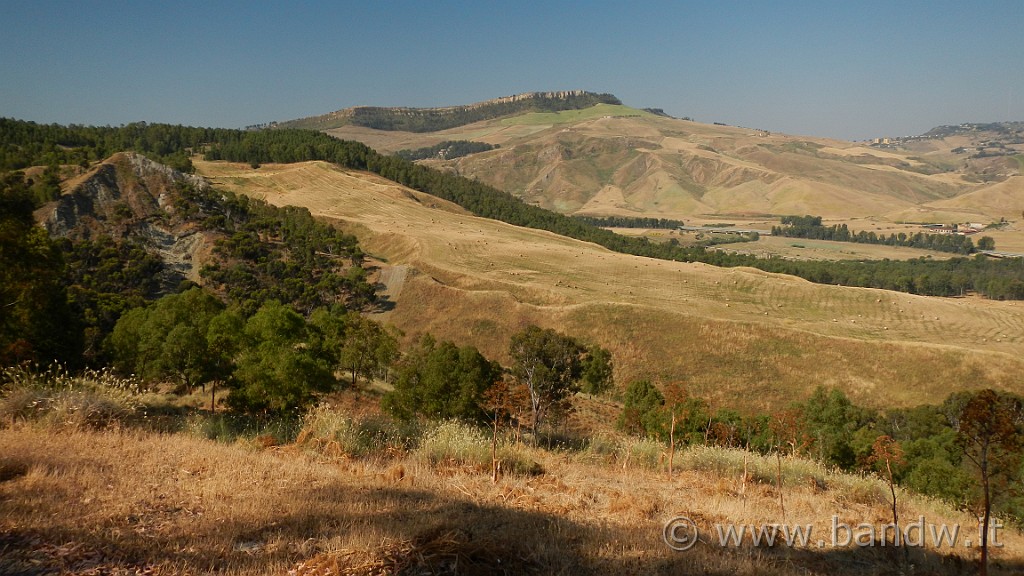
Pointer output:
x,y
727,331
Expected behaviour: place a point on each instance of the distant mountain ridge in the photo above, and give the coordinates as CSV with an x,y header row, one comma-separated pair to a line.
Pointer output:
x,y
421,120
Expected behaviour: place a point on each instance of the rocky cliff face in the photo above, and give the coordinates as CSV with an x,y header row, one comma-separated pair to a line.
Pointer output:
x,y
131,198
123,190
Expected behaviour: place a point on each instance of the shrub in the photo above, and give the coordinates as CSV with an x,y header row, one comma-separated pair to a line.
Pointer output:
x,y
641,452
456,443
760,467
91,399
326,430
232,427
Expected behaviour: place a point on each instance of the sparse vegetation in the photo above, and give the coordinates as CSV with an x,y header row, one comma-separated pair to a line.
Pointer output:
x,y
316,470
447,150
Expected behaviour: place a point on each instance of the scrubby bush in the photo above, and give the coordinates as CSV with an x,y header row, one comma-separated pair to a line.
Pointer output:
x,y
456,443
92,399
332,432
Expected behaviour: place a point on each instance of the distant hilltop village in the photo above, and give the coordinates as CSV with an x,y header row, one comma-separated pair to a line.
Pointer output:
x,y
987,139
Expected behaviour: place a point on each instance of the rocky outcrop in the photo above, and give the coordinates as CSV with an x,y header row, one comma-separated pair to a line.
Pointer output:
x,y
130,197
119,192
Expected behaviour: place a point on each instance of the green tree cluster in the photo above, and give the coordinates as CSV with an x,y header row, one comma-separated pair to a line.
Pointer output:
x,y
439,380
273,361
552,366
171,339
36,323
812,228
677,418
447,150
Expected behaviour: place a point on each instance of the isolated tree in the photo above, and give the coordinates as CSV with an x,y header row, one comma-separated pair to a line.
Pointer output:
x,y
676,397
505,402
597,371
549,364
788,429
986,243
886,455
989,429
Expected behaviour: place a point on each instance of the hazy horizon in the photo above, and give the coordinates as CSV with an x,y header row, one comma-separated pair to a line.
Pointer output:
x,y
850,71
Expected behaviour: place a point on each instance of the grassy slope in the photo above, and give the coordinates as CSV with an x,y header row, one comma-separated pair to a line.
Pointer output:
x,y
80,502
740,337
577,162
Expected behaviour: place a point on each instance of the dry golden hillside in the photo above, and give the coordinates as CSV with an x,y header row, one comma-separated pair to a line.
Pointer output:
x,y
616,160
739,337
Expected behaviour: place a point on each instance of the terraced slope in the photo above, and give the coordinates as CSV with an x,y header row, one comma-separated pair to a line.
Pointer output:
x,y
739,336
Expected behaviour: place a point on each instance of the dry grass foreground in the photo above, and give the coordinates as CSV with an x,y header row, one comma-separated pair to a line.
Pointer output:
x,y
740,337
130,502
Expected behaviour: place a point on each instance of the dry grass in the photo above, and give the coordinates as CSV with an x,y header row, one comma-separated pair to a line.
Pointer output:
x,y
741,337
55,397
119,502
658,166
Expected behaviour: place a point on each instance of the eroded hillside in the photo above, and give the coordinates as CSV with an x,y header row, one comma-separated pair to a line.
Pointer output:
x,y
614,160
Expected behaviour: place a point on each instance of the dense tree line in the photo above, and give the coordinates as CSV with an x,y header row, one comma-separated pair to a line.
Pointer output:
x,y
24,144
998,279
630,222
811,227
447,150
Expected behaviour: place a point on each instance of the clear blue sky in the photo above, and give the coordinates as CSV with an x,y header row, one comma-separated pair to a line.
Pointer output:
x,y
845,69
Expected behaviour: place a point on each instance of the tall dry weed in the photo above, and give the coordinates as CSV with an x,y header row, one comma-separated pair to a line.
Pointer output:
x,y
57,397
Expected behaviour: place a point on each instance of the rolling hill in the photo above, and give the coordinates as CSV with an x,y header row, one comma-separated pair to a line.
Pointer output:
x,y
739,337
610,159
